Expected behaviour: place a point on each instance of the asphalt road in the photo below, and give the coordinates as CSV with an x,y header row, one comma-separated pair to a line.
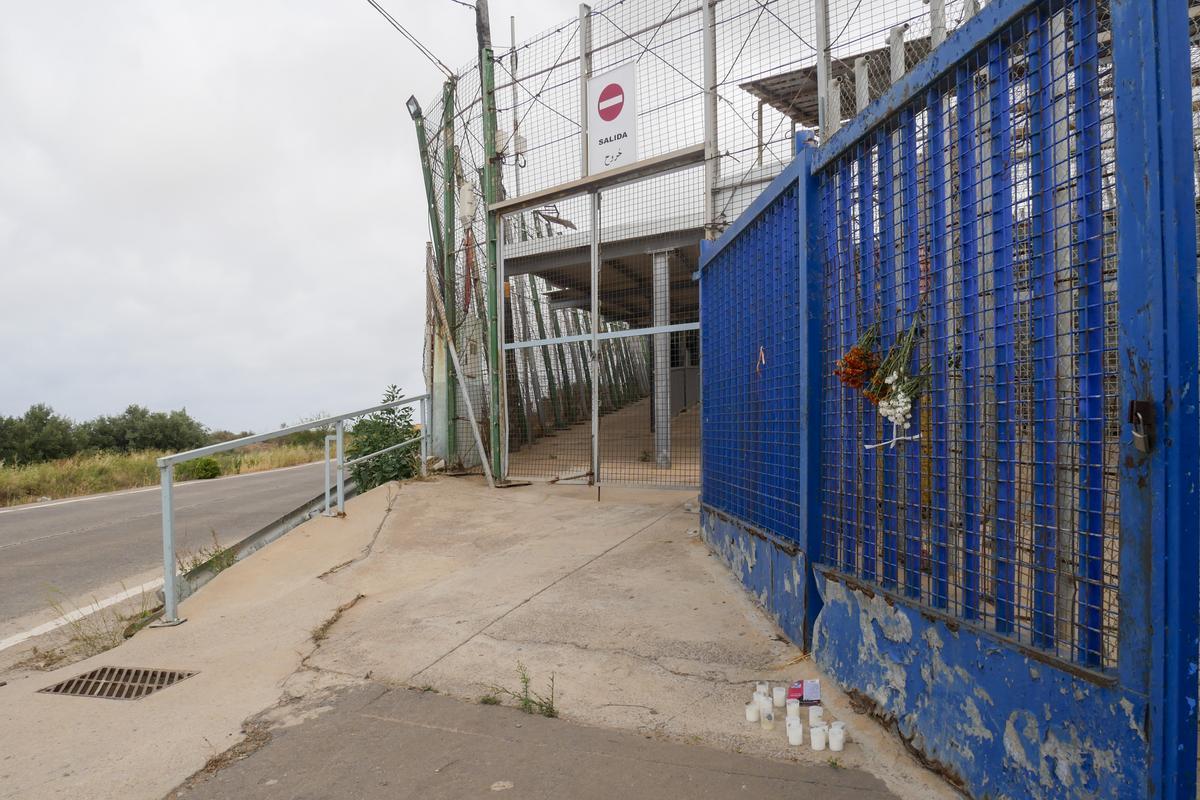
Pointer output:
x,y
71,551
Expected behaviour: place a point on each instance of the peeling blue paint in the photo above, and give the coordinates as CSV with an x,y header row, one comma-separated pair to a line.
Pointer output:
x,y
992,720
774,572
965,698
1001,716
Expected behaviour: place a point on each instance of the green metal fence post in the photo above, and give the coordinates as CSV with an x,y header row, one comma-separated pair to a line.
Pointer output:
x,y
487,84
449,281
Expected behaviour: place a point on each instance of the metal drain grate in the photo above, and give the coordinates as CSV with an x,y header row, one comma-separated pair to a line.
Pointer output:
x,y
118,683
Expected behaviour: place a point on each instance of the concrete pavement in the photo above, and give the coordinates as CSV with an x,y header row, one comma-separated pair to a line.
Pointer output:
x,y
69,552
446,585
376,743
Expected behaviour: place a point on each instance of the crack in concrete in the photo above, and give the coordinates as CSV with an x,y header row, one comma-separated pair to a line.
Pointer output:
x,y
370,546
710,678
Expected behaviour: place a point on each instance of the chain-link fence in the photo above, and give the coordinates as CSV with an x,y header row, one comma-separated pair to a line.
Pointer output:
x,y
759,88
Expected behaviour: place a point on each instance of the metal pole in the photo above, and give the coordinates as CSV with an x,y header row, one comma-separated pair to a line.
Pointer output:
x,y
547,361
502,306
564,394
524,289
712,163
823,67
340,431
513,149
435,222
661,260
166,477
487,88
585,72
329,439
449,279
595,334
424,447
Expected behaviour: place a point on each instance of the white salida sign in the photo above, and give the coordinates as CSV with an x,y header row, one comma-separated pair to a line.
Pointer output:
x,y
612,119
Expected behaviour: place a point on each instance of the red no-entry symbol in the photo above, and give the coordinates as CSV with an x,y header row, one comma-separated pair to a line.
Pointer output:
x,y
612,100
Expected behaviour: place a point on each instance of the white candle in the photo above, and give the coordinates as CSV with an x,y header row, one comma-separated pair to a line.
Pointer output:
x,y
815,713
837,739
779,694
817,733
793,709
766,720
751,712
763,688
795,733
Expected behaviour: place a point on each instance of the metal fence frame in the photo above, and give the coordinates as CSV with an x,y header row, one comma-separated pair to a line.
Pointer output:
x,y
166,472
593,187
1152,685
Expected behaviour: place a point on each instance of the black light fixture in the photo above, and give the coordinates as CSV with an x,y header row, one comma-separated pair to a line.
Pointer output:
x,y
414,108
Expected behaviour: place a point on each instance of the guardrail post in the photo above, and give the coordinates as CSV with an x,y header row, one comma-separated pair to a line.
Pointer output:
x,y
340,429
329,439
166,476
424,437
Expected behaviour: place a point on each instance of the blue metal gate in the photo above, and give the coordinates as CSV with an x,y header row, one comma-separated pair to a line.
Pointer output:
x,y
992,540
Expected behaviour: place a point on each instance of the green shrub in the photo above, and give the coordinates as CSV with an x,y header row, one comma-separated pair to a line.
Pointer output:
x,y
377,431
199,469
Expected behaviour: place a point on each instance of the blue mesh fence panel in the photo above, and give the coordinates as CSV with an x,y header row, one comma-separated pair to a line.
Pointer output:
x,y
751,390
976,222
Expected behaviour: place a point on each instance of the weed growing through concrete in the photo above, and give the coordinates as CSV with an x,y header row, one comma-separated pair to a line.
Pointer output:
x,y
528,700
89,634
835,764
321,632
218,557
489,700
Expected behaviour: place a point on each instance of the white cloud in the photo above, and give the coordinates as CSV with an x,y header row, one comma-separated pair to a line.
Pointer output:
x,y
216,205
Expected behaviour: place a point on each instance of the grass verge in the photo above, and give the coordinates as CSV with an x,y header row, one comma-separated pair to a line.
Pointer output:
x,y
111,472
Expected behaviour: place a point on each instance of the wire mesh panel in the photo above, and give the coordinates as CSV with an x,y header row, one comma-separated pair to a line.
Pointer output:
x,y
650,410
455,162
752,393
758,87
970,394
547,311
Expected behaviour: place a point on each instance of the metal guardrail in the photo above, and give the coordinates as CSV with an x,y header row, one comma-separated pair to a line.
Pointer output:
x,y
166,471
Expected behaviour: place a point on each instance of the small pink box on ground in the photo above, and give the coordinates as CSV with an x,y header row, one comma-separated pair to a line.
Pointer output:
x,y
808,692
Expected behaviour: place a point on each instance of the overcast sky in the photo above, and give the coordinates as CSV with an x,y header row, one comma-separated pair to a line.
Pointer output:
x,y
218,205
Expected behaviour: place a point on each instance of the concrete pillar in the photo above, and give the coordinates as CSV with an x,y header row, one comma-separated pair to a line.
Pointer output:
x,y
896,49
862,84
937,22
662,357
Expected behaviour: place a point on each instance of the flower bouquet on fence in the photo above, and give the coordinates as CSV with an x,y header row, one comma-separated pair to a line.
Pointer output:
x,y
860,362
893,388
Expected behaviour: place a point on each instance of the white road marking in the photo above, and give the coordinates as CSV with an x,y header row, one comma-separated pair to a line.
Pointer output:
x,y
67,501
80,613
